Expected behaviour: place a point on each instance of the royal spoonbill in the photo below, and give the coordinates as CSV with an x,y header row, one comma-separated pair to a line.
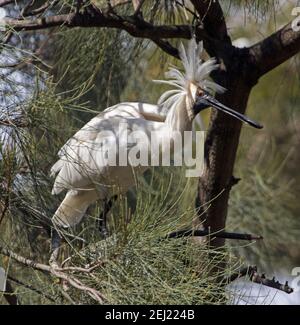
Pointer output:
x,y
82,170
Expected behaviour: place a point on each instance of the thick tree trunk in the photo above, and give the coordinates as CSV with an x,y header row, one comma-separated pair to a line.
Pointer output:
x,y
221,146
217,180
240,71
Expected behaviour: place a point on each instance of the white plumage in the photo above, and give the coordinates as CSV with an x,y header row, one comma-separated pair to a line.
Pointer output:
x,y
82,169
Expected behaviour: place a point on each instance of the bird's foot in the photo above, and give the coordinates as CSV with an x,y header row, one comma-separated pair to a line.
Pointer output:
x,y
104,233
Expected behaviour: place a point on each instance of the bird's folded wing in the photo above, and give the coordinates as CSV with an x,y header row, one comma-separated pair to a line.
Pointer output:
x,y
81,159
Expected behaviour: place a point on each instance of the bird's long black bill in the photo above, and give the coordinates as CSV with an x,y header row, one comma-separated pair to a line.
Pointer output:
x,y
216,104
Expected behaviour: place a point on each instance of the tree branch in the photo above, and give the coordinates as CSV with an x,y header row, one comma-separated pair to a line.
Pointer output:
x,y
166,47
135,26
42,9
251,271
6,2
14,123
57,272
275,49
221,234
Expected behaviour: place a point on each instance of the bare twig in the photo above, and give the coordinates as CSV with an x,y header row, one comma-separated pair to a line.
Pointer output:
x,y
182,4
26,8
6,2
92,16
93,293
81,269
43,8
202,233
118,3
14,123
166,47
135,27
57,272
251,271
25,261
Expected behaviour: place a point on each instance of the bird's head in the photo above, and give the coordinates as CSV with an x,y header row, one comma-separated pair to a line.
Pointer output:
x,y
194,86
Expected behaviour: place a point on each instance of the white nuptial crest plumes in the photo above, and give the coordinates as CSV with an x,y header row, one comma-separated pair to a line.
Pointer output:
x,y
195,71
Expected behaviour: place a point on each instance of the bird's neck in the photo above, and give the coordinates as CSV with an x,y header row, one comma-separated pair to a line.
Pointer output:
x,y
179,117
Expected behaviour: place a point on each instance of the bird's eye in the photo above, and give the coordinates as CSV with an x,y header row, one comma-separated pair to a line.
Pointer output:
x,y
200,92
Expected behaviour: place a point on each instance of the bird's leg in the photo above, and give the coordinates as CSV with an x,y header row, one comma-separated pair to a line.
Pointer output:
x,y
55,246
103,217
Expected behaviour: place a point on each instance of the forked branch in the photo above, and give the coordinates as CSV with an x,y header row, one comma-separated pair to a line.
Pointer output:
x,y
57,272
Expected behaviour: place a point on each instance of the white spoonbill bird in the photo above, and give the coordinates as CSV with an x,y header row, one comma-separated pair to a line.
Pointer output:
x,y
82,169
